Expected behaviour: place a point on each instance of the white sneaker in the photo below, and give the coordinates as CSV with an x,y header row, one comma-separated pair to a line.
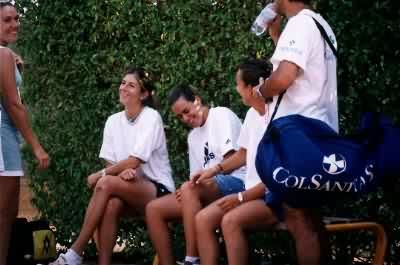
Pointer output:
x,y
62,260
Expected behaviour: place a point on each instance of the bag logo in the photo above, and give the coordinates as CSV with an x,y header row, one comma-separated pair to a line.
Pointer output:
x,y
334,164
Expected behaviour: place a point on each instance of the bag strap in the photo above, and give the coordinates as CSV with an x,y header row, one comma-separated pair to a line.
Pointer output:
x,y
325,36
330,44
276,109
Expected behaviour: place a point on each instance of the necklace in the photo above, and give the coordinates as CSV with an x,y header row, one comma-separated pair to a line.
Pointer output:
x,y
133,120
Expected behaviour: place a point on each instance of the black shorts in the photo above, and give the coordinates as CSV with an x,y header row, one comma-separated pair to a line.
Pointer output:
x,y
161,189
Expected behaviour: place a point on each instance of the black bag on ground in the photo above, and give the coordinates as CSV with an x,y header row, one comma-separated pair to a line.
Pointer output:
x,y
31,243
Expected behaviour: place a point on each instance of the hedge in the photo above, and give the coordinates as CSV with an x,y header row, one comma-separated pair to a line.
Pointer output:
x,y
76,52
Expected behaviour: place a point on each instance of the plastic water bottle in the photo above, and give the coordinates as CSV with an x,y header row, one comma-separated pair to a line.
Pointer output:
x,y
261,23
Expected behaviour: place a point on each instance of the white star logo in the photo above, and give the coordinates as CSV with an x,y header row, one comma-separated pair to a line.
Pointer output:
x,y
334,164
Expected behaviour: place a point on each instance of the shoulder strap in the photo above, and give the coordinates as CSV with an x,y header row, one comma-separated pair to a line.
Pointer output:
x,y
325,36
276,108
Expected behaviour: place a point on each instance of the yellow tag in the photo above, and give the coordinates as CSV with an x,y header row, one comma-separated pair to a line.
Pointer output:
x,y
44,245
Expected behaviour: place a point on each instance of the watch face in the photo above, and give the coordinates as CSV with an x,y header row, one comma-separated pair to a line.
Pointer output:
x,y
240,197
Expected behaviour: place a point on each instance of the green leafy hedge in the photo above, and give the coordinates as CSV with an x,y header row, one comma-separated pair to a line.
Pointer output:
x,y
76,51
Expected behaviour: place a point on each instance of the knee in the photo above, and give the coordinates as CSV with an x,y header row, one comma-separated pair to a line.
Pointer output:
x,y
188,189
153,210
298,224
204,222
229,224
114,207
104,185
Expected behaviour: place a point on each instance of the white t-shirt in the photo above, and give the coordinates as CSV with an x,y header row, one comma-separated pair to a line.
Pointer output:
x,y
144,139
209,143
314,92
253,129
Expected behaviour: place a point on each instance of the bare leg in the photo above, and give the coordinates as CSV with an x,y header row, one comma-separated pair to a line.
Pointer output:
x,y
108,230
193,198
158,213
136,194
207,221
248,216
9,198
309,232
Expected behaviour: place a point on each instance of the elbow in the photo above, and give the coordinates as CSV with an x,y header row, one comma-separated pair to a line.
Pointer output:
x,y
13,106
282,84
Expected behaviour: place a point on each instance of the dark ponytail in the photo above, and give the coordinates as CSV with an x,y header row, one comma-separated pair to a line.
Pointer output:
x,y
252,69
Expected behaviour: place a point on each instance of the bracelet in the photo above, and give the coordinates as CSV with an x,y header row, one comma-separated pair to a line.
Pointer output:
x,y
103,172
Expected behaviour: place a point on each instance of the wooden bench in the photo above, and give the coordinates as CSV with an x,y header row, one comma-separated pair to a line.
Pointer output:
x,y
335,224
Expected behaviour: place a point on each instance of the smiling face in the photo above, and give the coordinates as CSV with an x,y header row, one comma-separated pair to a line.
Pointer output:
x,y
130,91
9,24
189,112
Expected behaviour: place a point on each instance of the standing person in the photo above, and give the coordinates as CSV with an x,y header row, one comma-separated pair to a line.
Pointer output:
x,y
137,168
243,210
13,121
305,69
212,140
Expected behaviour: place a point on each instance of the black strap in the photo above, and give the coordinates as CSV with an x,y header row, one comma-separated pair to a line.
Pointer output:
x,y
325,36
328,40
276,108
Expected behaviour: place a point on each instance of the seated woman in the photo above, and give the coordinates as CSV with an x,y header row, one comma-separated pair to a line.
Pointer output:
x,y
212,139
137,168
243,210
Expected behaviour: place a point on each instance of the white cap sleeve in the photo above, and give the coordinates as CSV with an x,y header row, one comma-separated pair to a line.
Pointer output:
x,y
107,150
295,43
226,129
151,138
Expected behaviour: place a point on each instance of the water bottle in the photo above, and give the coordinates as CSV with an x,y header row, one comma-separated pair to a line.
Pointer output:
x,y
261,23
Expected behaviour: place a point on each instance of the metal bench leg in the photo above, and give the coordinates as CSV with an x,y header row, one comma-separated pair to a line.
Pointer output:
x,y
375,228
156,261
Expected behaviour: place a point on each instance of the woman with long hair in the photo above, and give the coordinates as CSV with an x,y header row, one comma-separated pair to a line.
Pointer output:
x,y
13,122
137,168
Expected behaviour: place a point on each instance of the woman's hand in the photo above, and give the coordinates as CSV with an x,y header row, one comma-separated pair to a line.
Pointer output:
x,y
42,157
204,176
229,202
18,59
93,178
128,174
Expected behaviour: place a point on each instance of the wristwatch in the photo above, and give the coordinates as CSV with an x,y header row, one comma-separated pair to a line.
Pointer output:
x,y
240,197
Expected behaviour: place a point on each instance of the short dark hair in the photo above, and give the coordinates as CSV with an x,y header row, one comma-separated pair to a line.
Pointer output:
x,y
307,2
7,3
146,84
181,91
252,69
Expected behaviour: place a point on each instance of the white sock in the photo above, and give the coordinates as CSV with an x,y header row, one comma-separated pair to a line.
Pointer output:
x,y
194,260
73,257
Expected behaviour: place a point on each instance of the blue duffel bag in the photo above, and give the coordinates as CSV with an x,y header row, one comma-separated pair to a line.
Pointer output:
x,y
304,163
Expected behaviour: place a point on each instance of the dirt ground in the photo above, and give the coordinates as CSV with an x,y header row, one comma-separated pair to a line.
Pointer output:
x,y
26,208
